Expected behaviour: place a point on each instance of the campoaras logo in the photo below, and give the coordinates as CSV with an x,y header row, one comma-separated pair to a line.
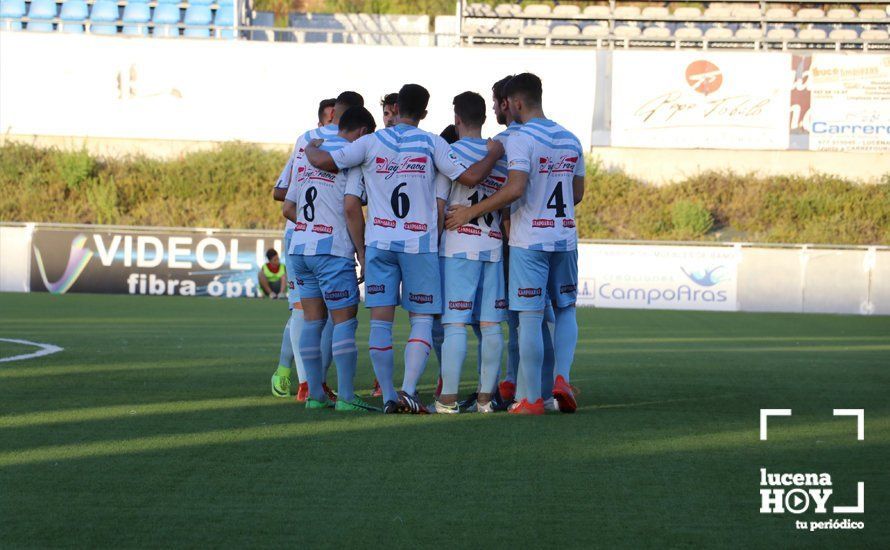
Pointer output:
x,y
78,259
704,77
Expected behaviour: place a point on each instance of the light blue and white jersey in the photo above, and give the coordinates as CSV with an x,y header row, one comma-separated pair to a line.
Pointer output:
x,y
284,180
508,131
399,166
480,239
321,220
544,217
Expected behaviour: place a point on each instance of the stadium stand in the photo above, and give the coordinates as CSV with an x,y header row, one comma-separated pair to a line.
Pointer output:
x,y
768,24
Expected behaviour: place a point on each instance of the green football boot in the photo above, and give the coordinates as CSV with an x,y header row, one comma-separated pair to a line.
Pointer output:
x,y
356,405
281,382
316,404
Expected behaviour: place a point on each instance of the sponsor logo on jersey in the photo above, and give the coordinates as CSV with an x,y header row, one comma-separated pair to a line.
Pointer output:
x,y
500,304
469,230
415,226
543,222
300,226
567,289
493,182
322,228
495,235
376,289
565,165
383,222
335,295
418,298
529,292
409,165
568,222
460,305
314,174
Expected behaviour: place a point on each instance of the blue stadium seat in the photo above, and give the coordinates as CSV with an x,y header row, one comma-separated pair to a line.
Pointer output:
x,y
197,15
166,18
11,13
136,18
41,15
225,17
73,14
104,16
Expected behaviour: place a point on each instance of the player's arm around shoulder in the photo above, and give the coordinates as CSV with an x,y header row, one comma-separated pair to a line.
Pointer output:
x,y
480,170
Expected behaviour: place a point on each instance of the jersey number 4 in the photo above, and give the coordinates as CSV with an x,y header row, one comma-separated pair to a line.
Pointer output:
x,y
556,202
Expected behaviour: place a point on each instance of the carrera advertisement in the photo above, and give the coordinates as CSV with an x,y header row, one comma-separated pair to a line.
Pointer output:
x,y
126,261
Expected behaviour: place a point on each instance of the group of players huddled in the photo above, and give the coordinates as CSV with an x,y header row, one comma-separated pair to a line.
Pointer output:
x,y
450,218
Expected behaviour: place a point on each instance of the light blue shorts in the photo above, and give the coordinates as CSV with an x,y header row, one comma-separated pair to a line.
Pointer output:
x,y
418,275
330,277
293,294
535,273
474,291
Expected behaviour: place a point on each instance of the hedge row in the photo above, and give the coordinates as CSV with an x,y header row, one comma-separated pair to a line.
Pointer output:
x,y
230,187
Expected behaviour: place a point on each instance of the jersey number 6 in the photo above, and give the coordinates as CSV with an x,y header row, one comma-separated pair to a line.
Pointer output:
x,y
400,202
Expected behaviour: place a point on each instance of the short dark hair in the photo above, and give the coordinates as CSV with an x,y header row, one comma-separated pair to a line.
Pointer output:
x,y
526,85
355,118
271,253
389,99
351,99
413,100
449,134
470,107
325,104
498,87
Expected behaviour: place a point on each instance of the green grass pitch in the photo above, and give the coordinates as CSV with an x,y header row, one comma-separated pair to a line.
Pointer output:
x,y
155,427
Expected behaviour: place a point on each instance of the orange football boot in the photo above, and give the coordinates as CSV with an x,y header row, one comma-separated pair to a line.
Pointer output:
x,y
302,392
564,393
524,407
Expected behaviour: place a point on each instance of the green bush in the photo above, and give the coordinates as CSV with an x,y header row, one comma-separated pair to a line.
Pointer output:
x,y
230,187
690,220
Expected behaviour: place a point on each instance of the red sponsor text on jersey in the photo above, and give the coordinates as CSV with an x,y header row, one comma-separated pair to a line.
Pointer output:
x,y
420,298
565,164
568,222
543,222
300,226
469,230
529,292
495,235
383,222
415,226
321,228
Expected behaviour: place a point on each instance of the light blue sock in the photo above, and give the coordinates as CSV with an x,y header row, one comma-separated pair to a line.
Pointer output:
x,y
380,350
310,351
549,361
512,346
287,349
531,355
454,351
345,356
564,340
492,347
296,330
327,335
478,334
417,351
438,338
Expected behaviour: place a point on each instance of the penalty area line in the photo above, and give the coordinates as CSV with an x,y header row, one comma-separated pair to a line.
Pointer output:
x,y
43,349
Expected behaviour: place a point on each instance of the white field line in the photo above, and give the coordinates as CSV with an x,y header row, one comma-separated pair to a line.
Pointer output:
x,y
43,349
